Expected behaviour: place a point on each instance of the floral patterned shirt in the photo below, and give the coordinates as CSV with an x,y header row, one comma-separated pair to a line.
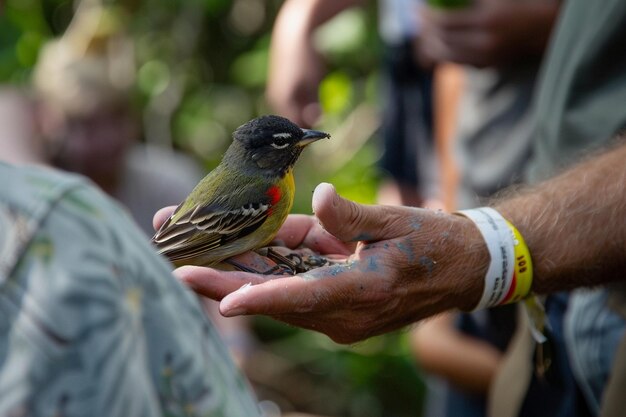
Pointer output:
x,y
92,323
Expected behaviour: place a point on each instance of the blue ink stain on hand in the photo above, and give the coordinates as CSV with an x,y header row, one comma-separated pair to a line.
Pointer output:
x,y
428,263
362,237
371,265
415,223
407,248
335,270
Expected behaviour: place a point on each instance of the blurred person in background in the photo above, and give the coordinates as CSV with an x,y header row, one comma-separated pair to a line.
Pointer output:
x,y
405,99
499,44
83,82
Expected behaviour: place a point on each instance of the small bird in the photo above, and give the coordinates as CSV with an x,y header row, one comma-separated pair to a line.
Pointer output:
x,y
243,202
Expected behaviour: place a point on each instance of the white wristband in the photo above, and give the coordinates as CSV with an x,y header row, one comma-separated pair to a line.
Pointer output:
x,y
500,243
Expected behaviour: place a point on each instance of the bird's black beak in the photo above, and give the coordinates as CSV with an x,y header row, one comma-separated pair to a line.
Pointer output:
x,y
311,136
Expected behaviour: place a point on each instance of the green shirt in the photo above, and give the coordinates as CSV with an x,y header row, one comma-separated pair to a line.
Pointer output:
x,y
581,101
92,323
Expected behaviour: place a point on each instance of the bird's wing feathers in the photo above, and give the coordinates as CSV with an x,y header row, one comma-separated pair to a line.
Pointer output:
x,y
207,227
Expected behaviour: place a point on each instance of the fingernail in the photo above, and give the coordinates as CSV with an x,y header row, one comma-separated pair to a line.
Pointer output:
x,y
229,308
237,311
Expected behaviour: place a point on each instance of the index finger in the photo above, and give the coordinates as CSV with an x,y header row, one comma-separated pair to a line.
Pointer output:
x,y
216,284
302,293
161,216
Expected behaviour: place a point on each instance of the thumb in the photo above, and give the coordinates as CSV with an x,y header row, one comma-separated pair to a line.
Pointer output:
x,y
350,221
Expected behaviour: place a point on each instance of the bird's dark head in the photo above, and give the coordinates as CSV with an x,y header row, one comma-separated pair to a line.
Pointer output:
x,y
271,144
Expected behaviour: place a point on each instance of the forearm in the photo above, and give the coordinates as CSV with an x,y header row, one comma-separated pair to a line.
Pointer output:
x,y
308,15
574,225
465,361
323,10
298,19
295,67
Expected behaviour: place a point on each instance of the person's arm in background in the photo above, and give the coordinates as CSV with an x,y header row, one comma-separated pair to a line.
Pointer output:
x,y
465,361
295,67
438,346
489,33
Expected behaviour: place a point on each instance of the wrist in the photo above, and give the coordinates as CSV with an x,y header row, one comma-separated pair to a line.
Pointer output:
x,y
510,273
460,261
475,263
535,243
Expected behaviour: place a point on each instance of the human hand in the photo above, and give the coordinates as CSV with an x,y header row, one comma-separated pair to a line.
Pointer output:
x,y
487,33
407,264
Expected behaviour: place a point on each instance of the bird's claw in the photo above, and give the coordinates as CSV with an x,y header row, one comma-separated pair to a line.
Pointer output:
x,y
289,262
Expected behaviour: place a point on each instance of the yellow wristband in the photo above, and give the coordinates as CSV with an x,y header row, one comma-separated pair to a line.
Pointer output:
x,y
522,269
521,286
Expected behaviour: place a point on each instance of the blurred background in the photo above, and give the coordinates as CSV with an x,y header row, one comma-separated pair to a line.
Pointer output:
x,y
190,72
201,67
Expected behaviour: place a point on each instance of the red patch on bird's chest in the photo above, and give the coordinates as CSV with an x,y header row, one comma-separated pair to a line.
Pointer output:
x,y
274,194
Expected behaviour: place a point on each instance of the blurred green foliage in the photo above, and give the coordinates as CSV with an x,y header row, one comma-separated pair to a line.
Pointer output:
x,y
376,377
201,72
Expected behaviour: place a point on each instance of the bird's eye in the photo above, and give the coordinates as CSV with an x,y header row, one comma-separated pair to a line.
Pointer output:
x,y
280,144
281,140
